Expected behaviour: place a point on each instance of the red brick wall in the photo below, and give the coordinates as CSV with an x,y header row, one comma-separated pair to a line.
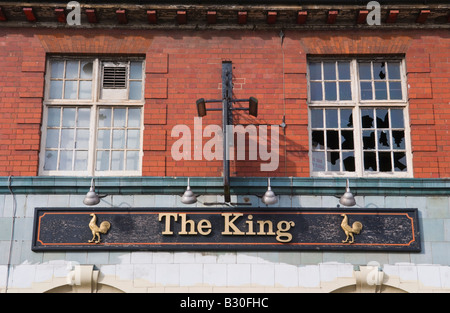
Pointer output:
x,y
182,66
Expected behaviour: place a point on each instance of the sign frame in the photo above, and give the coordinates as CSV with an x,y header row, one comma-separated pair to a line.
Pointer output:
x,y
382,226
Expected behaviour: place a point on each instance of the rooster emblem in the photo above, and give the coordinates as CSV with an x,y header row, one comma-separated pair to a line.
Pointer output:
x,y
349,231
96,231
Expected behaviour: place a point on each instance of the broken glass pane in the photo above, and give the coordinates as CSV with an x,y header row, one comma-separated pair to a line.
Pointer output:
x,y
395,90
364,71
333,161
347,139
51,158
380,91
382,118
367,118
317,139
366,91
315,71
383,139
348,161
332,139
331,118
316,91
317,118
398,136
344,70
400,162
346,118
329,70
370,162
379,70
330,91
397,118
384,159
368,139
345,91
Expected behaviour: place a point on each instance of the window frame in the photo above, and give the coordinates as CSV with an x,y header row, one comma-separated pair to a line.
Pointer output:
x,y
94,104
356,105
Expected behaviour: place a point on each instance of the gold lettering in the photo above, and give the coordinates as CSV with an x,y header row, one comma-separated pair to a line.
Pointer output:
x,y
167,216
202,225
250,226
282,231
184,222
269,230
230,224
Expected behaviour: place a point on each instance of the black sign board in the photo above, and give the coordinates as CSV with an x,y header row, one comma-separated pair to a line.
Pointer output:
x,y
250,229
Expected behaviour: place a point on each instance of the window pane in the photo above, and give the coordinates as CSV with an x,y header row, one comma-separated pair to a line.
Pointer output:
x,y
384,159
82,141
81,160
366,90
380,91
344,70
317,118
348,161
364,71
367,118
382,118
316,91
400,162
133,141
65,160
56,89
52,140
318,161
118,139
72,69
103,139
395,90
119,117
345,91
104,118
398,137
315,71
136,70
102,161
51,159
383,139
370,162
54,117
70,89
117,160
132,160
332,139
368,139
67,140
134,117
317,139
330,91
379,70
86,70
57,69
68,117
346,118
333,162
394,70
347,139
397,118
84,116
135,90
85,90
329,70
331,118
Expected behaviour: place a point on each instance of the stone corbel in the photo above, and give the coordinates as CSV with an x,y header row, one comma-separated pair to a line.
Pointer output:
x,y
83,279
369,279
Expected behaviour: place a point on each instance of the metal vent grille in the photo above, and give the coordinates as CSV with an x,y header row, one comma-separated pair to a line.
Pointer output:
x,y
115,77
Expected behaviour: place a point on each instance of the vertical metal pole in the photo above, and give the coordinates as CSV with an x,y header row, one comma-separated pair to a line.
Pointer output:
x,y
227,119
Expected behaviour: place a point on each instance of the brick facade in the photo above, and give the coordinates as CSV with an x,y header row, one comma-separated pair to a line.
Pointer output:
x,y
182,66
